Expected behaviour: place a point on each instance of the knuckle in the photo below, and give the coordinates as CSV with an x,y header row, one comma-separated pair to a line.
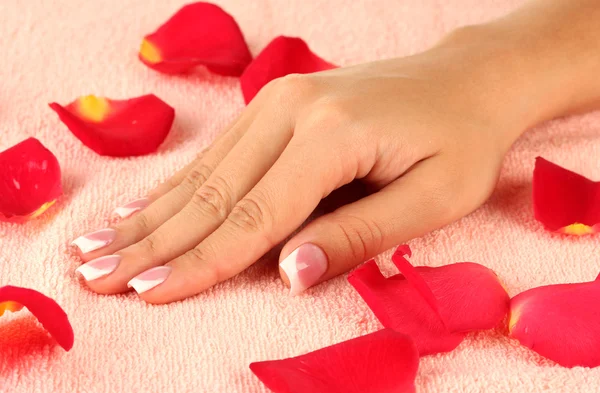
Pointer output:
x,y
250,214
197,176
212,199
329,114
173,182
363,237
197,258
223,186
270,87
294,86
150,245
142,223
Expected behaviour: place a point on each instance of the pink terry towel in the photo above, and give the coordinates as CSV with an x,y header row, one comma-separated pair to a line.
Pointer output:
x,y
56,50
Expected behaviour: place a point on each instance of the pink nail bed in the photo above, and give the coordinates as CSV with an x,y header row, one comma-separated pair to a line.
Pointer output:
x,y
99,267
304,267
95,240
149,279
131,207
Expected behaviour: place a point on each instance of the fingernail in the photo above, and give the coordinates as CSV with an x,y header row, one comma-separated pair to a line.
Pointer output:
x,y
149,279
304,267
99,267
131,207
95,240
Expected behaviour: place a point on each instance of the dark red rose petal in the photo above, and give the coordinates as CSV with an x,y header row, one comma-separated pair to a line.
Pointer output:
x,y
467,297
46,310
380,362
565,201
198,34
560,322
30,181
118,128
283,56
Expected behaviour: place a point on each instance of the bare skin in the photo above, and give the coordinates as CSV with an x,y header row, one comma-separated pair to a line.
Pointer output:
x,y
427,134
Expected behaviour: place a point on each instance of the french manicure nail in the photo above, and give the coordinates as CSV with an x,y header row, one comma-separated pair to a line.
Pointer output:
x,y
131,207
95,240
304,267
149,279
99,267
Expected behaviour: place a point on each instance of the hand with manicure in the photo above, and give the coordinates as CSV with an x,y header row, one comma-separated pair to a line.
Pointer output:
x,y
426,136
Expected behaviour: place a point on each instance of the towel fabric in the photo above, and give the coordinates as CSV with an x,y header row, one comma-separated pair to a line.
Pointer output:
x,y
56,50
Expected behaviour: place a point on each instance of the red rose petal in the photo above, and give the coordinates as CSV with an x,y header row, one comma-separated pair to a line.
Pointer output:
x,y
30,181
468,296
565,201
118,128
399,306
380,362
560,322
412,275
46,310
283,56
198,34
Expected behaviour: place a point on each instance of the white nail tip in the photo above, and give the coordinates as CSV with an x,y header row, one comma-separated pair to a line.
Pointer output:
x,y
99,267
289,266
304,267
130,208
149,279
95,240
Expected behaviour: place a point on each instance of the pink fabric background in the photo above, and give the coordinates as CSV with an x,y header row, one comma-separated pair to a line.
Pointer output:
x,y
56,50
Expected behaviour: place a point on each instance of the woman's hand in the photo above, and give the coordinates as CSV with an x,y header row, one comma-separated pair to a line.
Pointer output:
x,y
427,134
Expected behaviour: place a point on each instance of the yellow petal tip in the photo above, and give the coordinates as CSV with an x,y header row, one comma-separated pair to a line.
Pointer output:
x,y
578,229
149,52
9,306
93,108
42,209
513,319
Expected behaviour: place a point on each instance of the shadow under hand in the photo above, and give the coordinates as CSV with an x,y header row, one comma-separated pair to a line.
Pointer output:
x,y
267,266
342,196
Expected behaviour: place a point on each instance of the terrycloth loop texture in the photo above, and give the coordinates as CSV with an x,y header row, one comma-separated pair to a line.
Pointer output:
x,y
56,50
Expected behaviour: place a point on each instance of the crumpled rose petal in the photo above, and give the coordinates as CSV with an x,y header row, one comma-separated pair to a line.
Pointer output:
x,y
47,311
399,306
198,34
380,362
468,297
560,322
30,181
283,56
414,277
118,128
564,201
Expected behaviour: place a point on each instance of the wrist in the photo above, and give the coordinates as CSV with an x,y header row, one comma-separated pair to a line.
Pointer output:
x,y
496,81
539,63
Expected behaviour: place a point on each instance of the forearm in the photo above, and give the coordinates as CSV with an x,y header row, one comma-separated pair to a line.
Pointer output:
x,y
540,62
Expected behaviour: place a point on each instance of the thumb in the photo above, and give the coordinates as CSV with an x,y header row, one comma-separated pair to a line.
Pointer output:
x,y
337,242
